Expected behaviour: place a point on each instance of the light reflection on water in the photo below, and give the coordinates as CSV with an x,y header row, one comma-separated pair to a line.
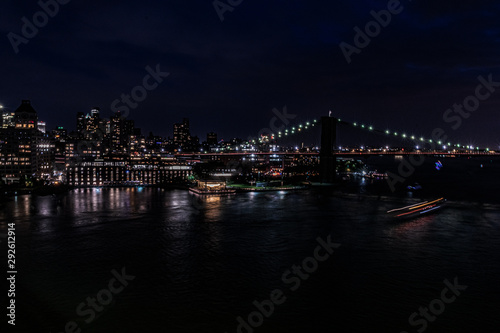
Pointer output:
x,y
213,256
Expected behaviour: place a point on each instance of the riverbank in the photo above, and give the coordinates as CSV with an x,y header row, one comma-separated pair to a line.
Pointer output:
x,y
7,192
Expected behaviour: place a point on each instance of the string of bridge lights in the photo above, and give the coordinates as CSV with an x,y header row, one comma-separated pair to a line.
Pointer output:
x,y
444,144
287,132
301,127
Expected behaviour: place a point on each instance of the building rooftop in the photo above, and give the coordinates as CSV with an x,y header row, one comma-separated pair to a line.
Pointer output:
x,y
25,107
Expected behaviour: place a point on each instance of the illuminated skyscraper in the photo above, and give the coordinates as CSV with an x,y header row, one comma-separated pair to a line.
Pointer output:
x,y
8,119
25,116
41,126
182,136
95,112
24,150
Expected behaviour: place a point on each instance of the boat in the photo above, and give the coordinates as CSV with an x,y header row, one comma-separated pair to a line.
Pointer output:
x,y
418,209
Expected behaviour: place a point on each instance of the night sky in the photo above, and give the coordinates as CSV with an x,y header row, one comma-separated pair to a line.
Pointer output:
x,y
228,76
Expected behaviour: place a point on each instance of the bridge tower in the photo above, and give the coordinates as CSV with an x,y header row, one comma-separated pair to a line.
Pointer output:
x,y
328,142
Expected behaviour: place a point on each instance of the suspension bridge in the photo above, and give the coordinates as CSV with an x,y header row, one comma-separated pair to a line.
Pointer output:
x,y
329,127
328,151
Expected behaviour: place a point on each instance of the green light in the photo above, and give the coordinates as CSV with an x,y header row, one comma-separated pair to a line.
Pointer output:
x,y
413,137
387,132
430,141
395,133
404,135
307,123
421,139
362,126
314,120
439,142
300,125
370,128
355,124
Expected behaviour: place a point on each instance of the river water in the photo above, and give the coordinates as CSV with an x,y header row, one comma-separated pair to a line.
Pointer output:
x,y
197,264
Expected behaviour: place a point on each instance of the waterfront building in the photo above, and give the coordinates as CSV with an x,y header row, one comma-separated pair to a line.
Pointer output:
x,y
109,173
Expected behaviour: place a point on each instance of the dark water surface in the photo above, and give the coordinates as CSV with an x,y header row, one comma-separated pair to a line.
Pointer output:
x,y
200,263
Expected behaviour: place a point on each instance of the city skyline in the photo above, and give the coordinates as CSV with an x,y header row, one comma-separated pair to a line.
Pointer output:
x,y
91,113
88,127
115,151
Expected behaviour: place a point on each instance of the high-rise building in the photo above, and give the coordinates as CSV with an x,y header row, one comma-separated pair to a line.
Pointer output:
x,y
91,135
120,131
8,119
212,139
95,112
59,133
182,136
41,126
25,116
87,125
24,150
80,124
116,132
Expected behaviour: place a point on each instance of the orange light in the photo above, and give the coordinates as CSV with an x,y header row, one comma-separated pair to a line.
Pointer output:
x,y
413,211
